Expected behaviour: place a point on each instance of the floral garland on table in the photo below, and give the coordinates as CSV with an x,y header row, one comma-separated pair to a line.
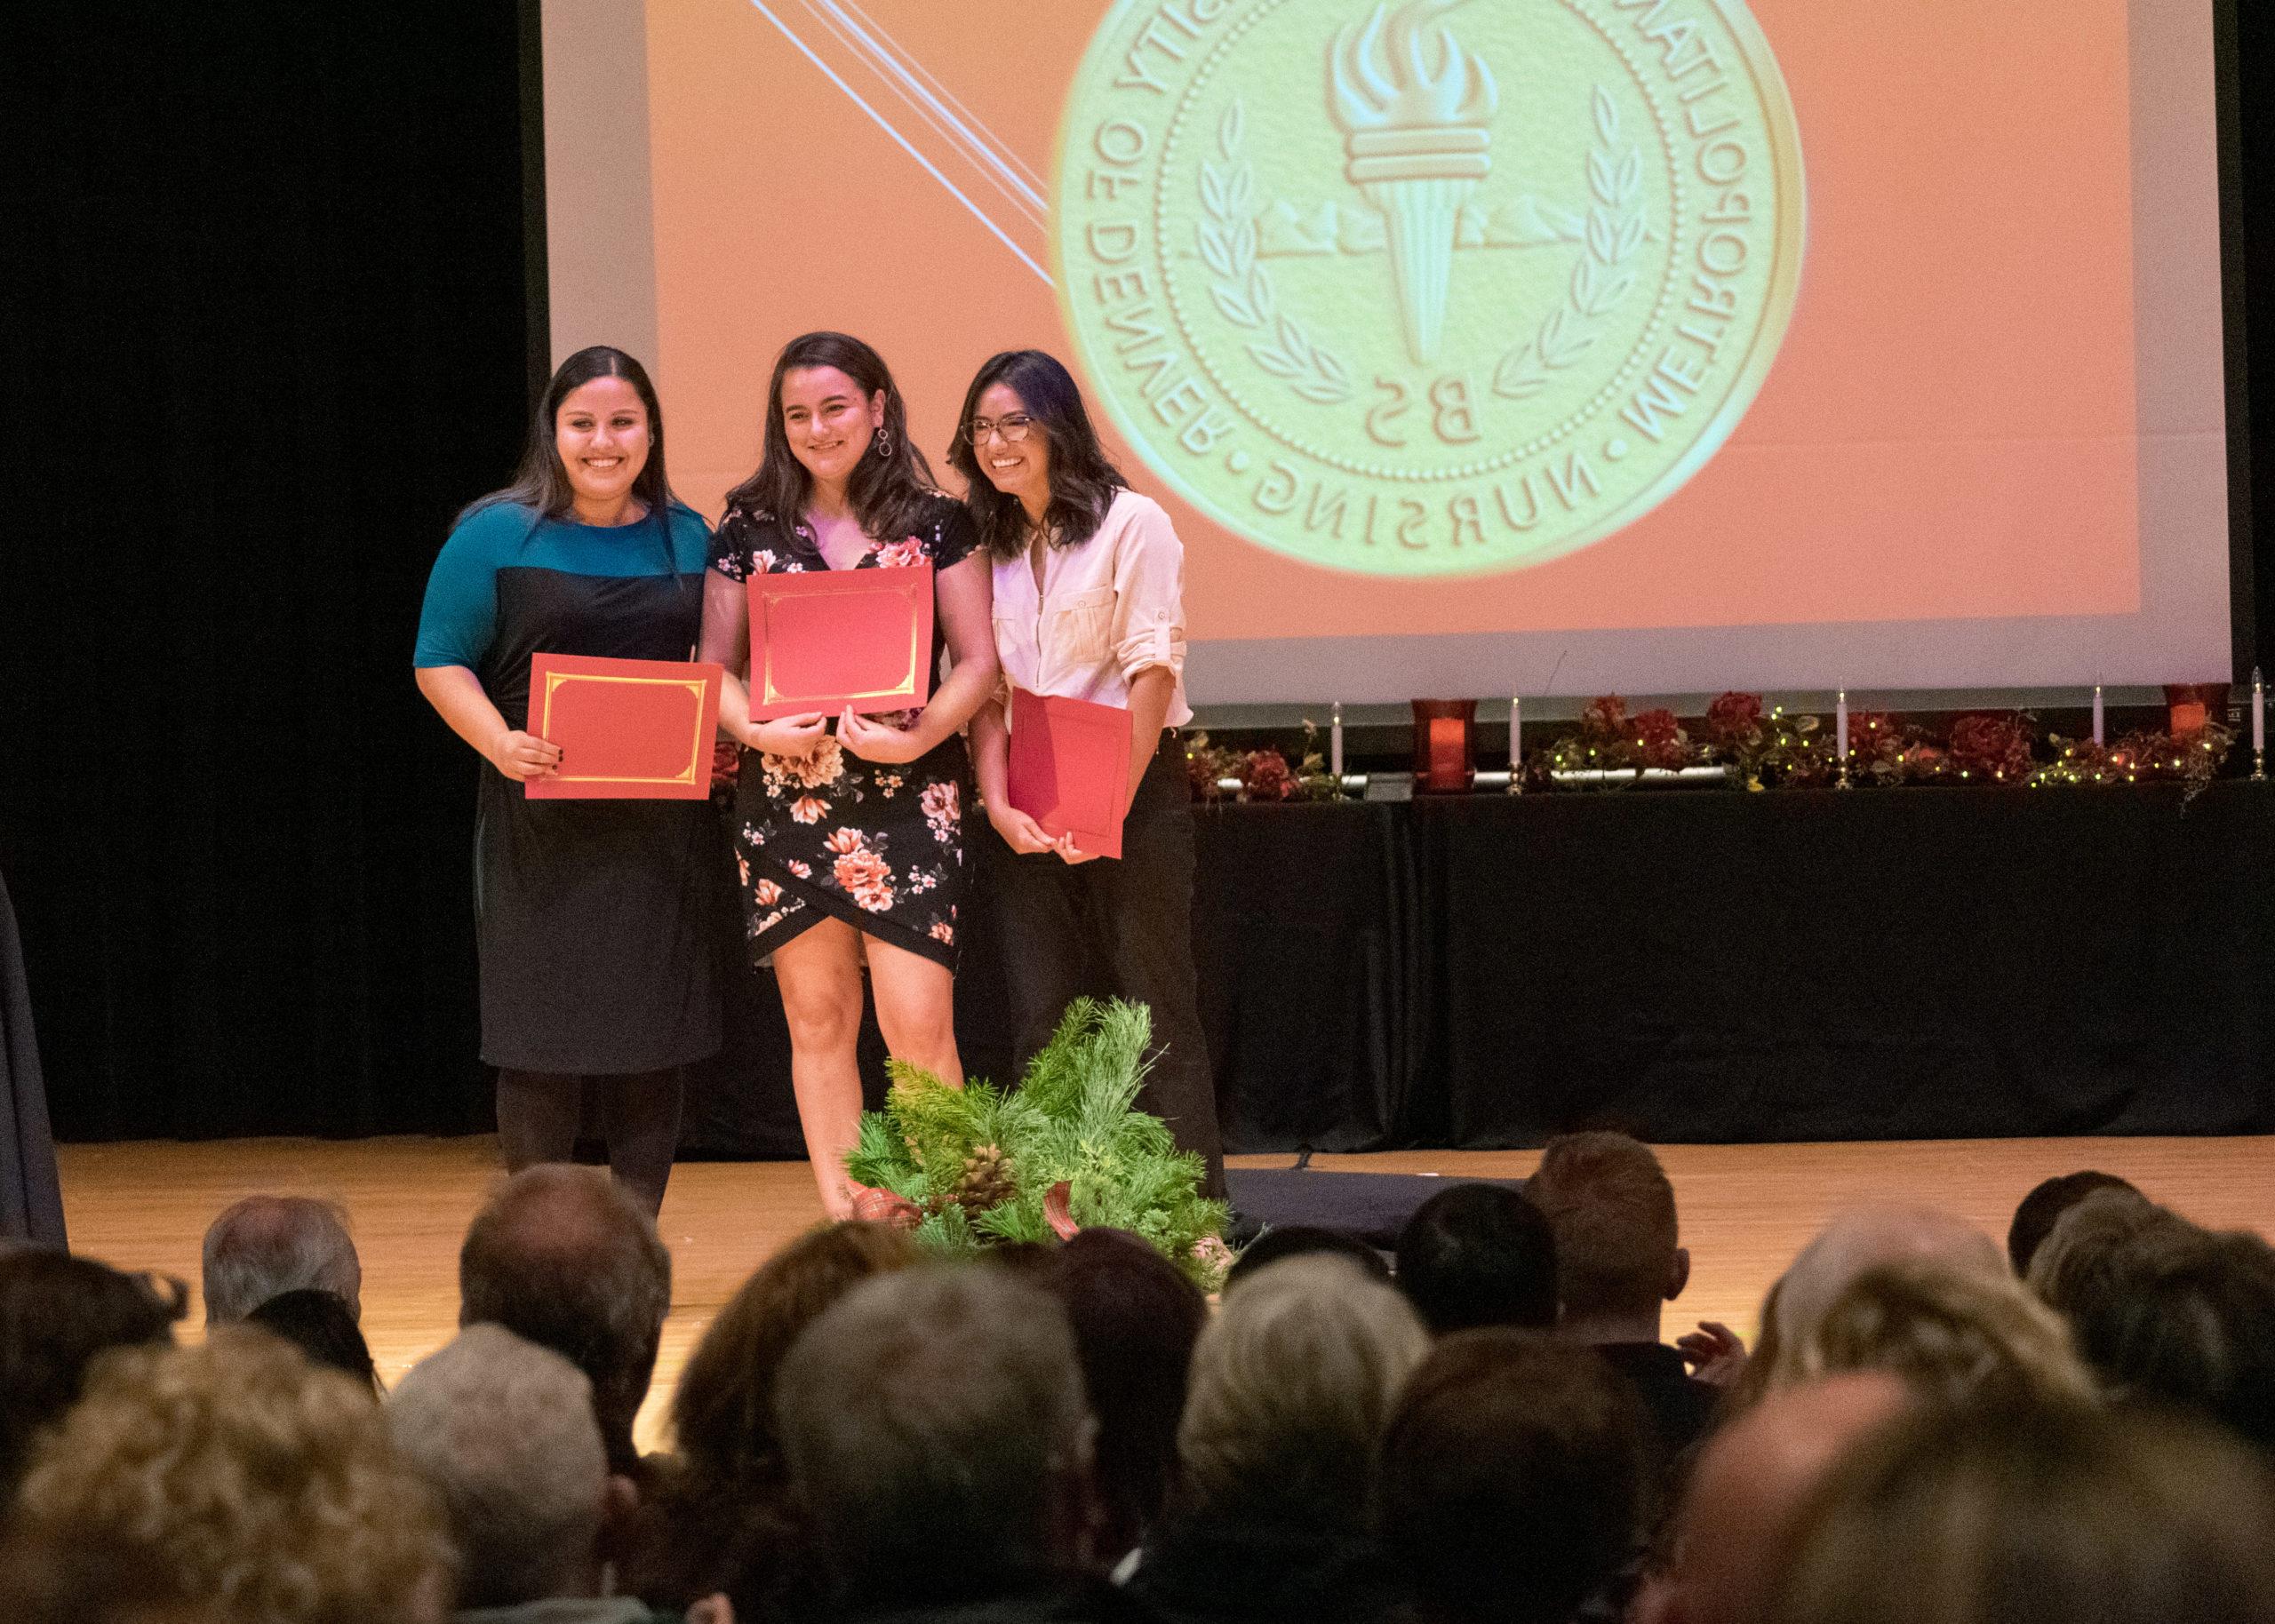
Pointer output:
x,y
1264,774
1765,747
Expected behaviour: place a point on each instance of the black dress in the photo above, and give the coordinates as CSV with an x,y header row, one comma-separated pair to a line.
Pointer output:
x,y
877,844
593,918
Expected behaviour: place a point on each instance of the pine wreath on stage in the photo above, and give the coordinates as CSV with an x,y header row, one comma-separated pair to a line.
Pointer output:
x,y
980,1166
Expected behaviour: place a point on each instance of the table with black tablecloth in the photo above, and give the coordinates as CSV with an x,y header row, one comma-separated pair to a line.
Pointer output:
x,y
1485,971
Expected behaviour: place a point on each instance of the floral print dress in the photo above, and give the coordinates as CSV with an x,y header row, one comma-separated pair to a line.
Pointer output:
x,y
879,844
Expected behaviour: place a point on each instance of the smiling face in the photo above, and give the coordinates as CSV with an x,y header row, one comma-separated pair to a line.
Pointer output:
x,y
1020,469
603,433
828,422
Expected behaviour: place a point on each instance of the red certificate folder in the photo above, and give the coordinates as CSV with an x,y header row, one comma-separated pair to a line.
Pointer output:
x,y
628,729
1069,769
822,639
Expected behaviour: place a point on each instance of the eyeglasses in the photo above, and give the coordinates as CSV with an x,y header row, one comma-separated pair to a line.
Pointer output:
x,y
1014,428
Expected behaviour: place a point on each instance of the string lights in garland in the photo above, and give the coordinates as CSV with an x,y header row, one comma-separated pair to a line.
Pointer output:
x,y
1767,747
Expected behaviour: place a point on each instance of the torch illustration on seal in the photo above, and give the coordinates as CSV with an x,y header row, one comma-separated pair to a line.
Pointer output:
x,y
1413,108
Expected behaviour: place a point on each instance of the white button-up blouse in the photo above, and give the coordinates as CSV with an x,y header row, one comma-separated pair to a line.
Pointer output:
x,y
1108,609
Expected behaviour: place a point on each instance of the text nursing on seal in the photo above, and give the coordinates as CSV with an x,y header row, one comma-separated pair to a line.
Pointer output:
x,y
1428,287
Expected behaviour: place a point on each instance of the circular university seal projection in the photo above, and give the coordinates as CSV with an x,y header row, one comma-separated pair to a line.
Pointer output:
x,y
1428,287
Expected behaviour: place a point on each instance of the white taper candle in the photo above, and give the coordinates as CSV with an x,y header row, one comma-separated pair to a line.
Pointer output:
x,y
1334,743
1841,725
2097,729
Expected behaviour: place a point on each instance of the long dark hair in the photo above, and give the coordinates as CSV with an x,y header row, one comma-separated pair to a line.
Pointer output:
x,y
889,493
1082,478
541,483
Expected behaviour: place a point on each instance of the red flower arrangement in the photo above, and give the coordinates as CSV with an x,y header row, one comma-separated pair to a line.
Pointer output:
x,y
1733,721
1996,748
1660,740
1605,717
1266,775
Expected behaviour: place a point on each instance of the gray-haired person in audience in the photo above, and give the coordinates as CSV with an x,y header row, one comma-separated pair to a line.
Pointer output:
x,y
265,1245
503,1429
568,1258
937,1438
1292,1385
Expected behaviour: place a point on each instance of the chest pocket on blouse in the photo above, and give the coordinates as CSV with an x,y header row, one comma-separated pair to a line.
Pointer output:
x,y
1081,628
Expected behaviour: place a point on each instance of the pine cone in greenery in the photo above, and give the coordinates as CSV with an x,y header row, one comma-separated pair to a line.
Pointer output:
x,y
986,1180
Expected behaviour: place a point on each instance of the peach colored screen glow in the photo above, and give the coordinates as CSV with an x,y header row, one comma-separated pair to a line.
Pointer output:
x,y
1951,433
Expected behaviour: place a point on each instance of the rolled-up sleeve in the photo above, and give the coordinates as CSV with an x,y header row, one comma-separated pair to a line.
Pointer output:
x,y
1149,594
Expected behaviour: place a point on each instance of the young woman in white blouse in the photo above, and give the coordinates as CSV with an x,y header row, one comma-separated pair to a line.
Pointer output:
x,y
1089,604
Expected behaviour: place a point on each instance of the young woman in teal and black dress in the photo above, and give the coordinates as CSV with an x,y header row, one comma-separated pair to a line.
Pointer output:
x,y
851,843
591,917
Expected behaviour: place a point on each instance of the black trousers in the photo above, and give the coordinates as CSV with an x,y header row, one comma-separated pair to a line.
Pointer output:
x,y
1129,918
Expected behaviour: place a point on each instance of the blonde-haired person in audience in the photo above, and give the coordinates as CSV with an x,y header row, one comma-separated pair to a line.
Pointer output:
x,y
1952,1335
1754,1478
1987,1515
1856,1241
1292,1385
265,1487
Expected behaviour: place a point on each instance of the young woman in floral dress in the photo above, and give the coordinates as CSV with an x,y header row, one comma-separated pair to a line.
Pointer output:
x,y
850,843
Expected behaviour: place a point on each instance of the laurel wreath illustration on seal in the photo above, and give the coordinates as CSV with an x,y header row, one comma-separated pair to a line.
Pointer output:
x,y
1242,289
1615,232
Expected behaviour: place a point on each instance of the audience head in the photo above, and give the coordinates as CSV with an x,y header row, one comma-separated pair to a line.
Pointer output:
x,y
567,1258
935,1434
1479,1254
1951,1334
503,1429
1968,1517
2042,1209
265,1245
319,1324
1859,1240
722,1411
265,1486
1135,1319
2086,1267
1617,1252
57,1313
1511,1478
1292,1382
1283,1241
2184,1317
1748,1491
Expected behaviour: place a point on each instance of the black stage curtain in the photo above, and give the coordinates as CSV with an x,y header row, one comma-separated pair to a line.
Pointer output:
x,y
268,331
265,336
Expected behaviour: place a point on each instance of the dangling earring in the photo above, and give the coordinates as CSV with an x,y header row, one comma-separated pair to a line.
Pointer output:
x,y
882,444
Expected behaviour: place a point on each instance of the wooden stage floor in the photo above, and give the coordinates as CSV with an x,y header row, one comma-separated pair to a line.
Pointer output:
x,y
1746,1210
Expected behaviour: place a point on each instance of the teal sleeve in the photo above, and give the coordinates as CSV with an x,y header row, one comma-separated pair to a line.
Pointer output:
x,y
460,613
690,540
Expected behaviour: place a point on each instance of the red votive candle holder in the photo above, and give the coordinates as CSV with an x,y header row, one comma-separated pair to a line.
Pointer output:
x,y
1445,746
